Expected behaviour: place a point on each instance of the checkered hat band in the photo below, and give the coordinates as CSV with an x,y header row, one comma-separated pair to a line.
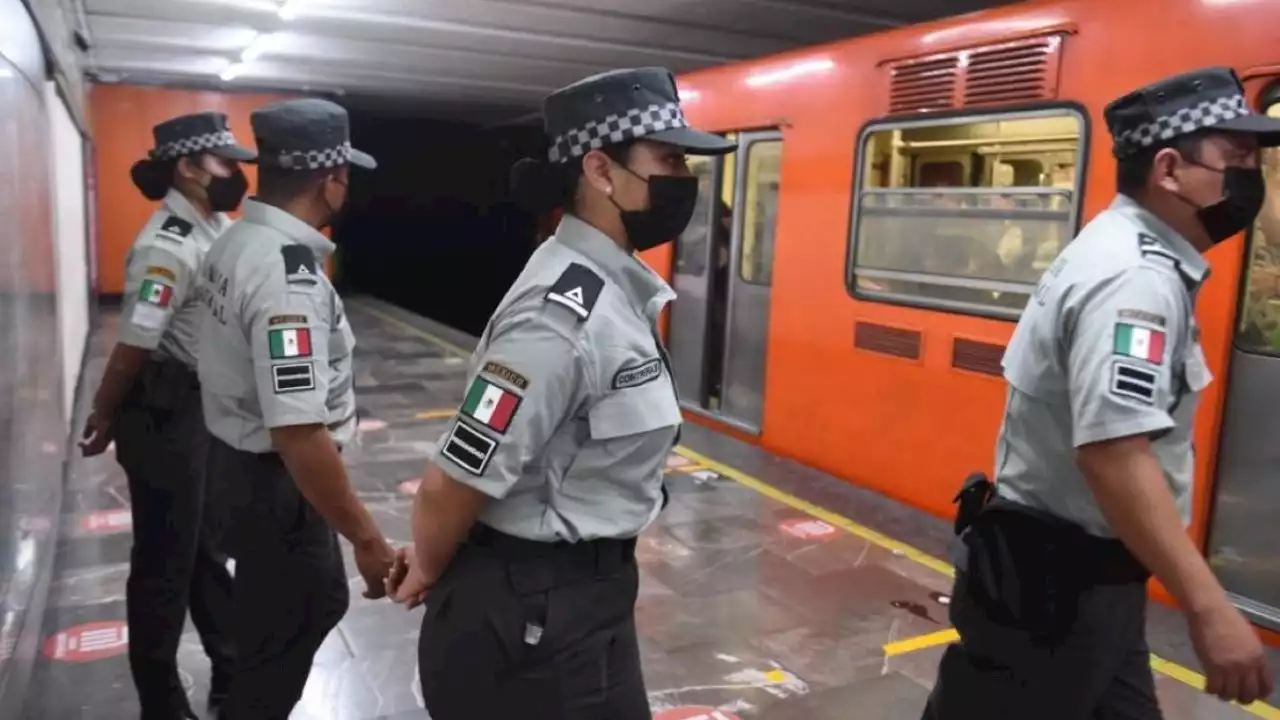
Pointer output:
x,y
1187,120
635,123
194,144
315,159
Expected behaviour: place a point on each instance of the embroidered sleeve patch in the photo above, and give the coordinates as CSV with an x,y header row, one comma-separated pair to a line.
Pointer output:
x,y
148,316
175,228
502,372
578,289
287,320
299,264
1139,342
646,372
291,343
468,449
1132,381
156,293
161,271
491,405
293,377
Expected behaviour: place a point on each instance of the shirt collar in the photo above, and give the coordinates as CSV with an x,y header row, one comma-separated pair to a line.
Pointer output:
x,y
1193,262
260,213
179,205
646,289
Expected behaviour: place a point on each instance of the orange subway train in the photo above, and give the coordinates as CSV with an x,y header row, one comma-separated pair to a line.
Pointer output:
x,y
853,272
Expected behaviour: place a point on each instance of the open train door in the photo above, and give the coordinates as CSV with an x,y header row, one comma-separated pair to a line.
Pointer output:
x,y
1244,531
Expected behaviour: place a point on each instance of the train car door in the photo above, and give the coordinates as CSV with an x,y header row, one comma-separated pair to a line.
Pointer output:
x,y
724,269
1243,532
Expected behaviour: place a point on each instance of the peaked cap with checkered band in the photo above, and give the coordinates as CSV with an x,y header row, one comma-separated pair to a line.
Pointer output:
x,y
205,132
622,105
1212,97
306,134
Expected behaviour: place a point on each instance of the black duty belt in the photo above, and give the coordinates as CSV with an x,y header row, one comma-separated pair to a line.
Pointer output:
x,y
537,566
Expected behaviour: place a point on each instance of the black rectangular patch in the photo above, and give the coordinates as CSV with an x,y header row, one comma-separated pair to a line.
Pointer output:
x,y
299,264
293,377
175,228
637,375
1132,381
469,449
578,288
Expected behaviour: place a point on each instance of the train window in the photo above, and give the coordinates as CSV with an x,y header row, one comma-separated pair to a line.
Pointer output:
x,y
760,209
691,251
1259,330
965,213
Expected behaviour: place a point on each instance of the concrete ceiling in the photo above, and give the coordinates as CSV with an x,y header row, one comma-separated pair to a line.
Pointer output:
x,y
480,60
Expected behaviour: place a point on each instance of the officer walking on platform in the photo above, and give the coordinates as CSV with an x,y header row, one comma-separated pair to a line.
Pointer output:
x,y
279,401
149,402
526,522
1094,462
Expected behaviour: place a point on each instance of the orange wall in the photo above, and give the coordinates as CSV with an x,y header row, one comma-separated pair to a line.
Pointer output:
x,y
122,117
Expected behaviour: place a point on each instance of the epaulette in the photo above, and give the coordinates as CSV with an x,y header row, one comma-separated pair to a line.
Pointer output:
x,y
175,229
299,265
577,289
1151,248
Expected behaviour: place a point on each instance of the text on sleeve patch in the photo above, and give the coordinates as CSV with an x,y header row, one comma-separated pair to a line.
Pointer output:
x,y
468,449
490,404
161,271
293,377
1139,342
289,343
502,372
1133,381
636,375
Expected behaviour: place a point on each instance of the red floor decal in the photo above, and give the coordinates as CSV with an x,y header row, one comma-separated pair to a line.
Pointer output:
x,y
371,425
410,487
808,529
695,712
88,642
107,521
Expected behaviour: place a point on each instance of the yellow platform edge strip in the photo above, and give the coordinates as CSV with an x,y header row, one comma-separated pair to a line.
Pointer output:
x,y
1165,667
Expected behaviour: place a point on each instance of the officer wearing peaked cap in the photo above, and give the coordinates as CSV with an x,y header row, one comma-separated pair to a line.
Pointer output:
x,y
149,402
526,521
279,401
1094,462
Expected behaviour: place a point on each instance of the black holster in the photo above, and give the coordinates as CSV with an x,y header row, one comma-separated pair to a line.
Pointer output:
x,y
1027,568
164,384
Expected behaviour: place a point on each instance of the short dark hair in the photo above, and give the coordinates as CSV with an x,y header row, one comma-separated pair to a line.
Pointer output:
x,y
1133,171
276,184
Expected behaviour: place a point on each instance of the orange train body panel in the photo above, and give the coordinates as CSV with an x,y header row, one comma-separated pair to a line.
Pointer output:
x,y
912,429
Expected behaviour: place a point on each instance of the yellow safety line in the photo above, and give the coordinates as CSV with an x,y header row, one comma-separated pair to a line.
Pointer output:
x,y
1169,668
920,642
434,414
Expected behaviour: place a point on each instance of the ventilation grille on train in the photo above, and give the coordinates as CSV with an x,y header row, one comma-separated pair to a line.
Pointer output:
x,y
1012,72
887,340
977,357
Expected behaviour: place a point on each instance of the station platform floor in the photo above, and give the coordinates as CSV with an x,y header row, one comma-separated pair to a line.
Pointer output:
x,y
769,590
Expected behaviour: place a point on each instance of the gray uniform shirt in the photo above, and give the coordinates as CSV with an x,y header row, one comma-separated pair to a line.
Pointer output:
x,y
571,409
161,308
1108,347
277,345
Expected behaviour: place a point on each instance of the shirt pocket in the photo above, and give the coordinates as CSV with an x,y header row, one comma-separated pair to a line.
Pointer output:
x,y
635,410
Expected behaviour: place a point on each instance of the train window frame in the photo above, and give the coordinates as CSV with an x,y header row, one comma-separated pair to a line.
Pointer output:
x,y
742,194
962,117
1268,100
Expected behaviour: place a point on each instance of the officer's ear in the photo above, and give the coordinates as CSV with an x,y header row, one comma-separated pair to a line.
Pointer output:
x,y
1165,169
189,167
596,170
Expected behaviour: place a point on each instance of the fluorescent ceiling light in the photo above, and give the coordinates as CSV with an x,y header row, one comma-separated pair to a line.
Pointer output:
x,y
259,45
232,72
289,10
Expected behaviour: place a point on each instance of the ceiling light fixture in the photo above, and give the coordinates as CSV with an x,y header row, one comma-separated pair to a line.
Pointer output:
x,y
257,46
232,72
289,10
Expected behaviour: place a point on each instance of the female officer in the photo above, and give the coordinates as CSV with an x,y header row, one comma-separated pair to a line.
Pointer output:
x,y
149,401
525,524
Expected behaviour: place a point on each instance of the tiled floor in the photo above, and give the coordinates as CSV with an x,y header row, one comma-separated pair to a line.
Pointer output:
x,y
748,605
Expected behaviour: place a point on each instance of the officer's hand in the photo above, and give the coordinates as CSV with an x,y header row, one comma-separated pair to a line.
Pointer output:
x,y
406,584
97,435
375,561
1235,666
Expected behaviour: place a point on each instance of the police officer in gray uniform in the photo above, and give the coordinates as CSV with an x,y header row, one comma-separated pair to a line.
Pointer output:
x,y
149,401
1094,462
276,373
525,525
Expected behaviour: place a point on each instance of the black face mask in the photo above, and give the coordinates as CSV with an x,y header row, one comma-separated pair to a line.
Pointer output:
x,y
671,203
225,193
1243,192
